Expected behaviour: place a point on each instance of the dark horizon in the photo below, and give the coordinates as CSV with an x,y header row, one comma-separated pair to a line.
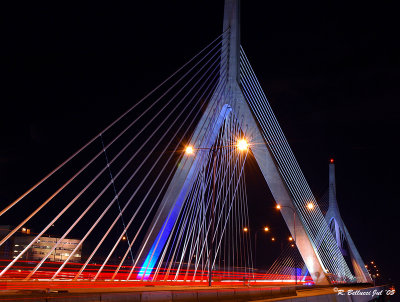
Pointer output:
x,y
329,71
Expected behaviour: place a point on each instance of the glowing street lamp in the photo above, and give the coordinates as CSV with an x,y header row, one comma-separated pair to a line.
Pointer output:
x,y
189,150
310,206
290,239
242,145
245,229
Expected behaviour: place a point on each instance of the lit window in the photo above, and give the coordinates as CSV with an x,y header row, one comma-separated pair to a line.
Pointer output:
x,y
17,245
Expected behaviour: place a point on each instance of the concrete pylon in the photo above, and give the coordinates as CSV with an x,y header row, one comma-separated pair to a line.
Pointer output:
x,y
340,231
230,101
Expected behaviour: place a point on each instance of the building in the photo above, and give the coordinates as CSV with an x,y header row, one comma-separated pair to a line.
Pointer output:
x,y
42,246
7,247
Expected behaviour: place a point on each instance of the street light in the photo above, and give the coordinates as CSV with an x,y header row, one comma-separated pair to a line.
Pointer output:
x,y
265,229
310,206
294,232
241,145
189,150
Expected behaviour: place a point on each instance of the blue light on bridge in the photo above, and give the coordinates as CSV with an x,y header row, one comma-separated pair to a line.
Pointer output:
x,y
155,250
159,243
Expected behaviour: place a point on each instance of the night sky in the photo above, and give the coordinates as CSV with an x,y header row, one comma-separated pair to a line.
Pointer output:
x,y
329,69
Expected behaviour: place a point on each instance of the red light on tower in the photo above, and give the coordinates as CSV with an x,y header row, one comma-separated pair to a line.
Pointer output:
x,y
331,160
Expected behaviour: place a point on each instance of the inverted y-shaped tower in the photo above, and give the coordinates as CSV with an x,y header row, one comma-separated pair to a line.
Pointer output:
x,y
242,98
340,231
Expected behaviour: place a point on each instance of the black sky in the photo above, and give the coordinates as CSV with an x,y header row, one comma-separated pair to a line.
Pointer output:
x,y
329,68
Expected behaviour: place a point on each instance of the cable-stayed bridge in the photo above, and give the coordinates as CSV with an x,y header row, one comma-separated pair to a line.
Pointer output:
x,y
160,194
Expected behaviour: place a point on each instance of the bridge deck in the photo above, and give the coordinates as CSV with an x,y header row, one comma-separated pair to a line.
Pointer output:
x,y
174,293
149,293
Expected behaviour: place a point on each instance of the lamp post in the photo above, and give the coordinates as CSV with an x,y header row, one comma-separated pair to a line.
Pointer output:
x,y
241,145
294,233
310,206
265,229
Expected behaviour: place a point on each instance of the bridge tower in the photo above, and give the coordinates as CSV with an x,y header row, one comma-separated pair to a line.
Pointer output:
x,y
232,102
340,231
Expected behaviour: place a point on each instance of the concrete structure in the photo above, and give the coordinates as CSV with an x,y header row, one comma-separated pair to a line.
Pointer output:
x,y
58,293
340,231
230,103
55,292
